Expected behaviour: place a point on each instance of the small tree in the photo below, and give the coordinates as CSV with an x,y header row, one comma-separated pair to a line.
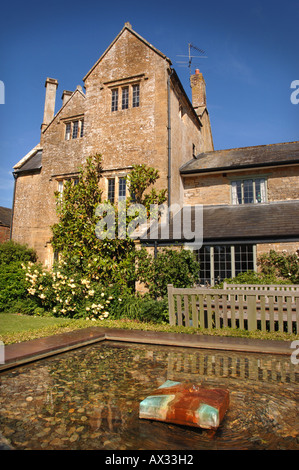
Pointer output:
x,y
139,180
74,235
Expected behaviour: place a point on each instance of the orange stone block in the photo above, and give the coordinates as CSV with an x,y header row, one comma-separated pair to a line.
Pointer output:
x,y
187,404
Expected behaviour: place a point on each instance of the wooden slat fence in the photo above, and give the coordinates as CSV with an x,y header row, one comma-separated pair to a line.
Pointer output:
x,y
263,287
271,310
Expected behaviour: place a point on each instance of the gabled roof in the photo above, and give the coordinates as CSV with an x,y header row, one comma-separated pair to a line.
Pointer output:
x,y
127,27
5,216
78,90
245,157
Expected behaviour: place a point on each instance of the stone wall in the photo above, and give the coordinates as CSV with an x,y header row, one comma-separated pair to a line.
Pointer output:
x,y
214,188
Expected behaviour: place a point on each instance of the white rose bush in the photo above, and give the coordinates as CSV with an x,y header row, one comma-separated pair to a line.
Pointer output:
x,y
60,294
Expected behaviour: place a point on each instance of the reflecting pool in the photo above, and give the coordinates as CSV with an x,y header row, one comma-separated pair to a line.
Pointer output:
x,y
89,399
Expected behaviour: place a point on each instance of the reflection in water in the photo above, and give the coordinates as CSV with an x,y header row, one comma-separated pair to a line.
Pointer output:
x,y
89,399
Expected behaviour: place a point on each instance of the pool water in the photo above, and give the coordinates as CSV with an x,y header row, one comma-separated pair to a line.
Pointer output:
x,y
89,399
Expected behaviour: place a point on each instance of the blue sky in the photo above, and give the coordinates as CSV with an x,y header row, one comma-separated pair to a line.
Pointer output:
x,y
252,50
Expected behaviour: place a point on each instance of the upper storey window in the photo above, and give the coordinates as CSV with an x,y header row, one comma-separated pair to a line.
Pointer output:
x,y
249,191
130,97
114,102
74,129
125,97
136,94
68,131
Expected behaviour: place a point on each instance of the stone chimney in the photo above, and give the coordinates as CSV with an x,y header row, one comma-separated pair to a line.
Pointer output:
x,y
198,87
49,110
66,96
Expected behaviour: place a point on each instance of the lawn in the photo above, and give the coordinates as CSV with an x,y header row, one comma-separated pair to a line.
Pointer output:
x,y
15,328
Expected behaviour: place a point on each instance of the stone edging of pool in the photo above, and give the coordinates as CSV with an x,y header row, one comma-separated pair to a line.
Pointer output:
x,y
21,353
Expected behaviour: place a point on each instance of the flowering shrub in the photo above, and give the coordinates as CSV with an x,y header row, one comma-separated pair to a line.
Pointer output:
x,y
71,296
283,265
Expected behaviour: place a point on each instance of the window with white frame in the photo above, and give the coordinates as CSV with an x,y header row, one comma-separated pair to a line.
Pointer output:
x,y
249,191
60,187
111,190
122,187
74,129
68,131
218,262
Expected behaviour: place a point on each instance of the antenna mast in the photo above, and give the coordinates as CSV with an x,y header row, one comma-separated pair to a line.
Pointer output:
x,y
190,56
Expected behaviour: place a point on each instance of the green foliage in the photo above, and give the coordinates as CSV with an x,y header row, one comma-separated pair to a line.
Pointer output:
x,y
74,235
13,293
142,308
139,180
251,277
71,296
171,266
15,252
281,265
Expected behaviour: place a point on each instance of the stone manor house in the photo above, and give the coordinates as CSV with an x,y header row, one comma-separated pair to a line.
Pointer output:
x,y
134,110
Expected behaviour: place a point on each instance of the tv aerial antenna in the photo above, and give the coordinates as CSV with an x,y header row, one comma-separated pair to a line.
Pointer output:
x,y
188,63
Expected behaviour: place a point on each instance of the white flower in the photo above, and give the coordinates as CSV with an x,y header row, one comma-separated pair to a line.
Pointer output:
x,y
102,294
87,309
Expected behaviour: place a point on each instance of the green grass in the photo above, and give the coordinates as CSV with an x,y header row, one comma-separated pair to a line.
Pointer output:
x,y
16,323
16,328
